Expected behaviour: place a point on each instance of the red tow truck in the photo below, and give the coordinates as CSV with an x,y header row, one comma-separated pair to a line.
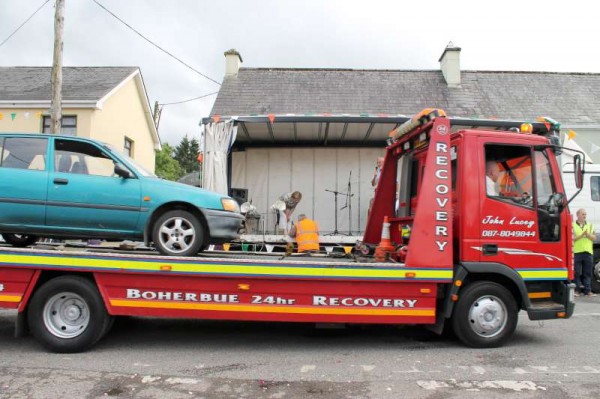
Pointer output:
x,y
444,245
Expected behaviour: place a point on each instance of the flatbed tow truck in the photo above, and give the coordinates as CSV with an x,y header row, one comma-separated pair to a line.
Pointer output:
x,y
439,250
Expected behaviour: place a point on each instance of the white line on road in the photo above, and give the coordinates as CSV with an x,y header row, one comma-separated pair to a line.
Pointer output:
x,y
307,368
517,386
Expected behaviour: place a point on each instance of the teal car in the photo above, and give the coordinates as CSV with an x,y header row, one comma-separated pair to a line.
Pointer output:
x,y
71,187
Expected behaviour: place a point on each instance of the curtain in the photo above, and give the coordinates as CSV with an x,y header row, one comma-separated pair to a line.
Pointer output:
x,y
218,139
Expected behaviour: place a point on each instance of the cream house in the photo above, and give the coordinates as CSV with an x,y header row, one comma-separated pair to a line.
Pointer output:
x,y
109,104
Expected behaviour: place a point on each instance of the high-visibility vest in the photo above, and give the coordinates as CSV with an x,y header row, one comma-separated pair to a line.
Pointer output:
x,y
307,235
584,244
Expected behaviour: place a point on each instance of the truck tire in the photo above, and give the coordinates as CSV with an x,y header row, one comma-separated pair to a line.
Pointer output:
x,y
178,233
67,314
19,240
596,278
485,316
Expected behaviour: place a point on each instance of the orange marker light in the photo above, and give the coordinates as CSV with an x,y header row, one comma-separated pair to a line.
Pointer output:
x,y
244,287
147,198
526,128
410,274
458,283
454,298
425,291
166,268
561,315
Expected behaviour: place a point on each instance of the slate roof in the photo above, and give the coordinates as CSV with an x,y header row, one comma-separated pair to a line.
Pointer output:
x,y
79,83
570,98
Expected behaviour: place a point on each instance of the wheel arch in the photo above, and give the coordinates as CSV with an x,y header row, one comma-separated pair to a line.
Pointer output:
x,y
470,272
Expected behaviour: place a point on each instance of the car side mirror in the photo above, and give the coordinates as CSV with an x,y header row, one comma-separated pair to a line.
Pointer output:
x,y
557,202
122,171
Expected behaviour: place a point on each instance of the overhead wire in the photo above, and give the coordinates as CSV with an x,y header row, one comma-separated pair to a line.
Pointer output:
x,y
154,44
27,20
191,99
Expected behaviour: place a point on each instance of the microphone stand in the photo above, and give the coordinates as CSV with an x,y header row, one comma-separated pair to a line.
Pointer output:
x,y
348,204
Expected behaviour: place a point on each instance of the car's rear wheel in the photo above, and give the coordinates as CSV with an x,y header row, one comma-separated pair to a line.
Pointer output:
x,y
178,233
19,240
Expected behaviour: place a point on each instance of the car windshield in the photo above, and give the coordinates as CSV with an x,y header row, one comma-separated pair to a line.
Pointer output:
x,y
131,162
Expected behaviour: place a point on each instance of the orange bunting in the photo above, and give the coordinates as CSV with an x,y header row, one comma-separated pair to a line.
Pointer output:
x,y
200,157
272,118
571,134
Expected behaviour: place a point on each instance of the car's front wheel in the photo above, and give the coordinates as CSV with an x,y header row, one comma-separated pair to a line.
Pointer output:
x,y
178,233
19,240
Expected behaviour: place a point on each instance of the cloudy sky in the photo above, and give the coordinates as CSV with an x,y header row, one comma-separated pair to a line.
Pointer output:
x,y
561,36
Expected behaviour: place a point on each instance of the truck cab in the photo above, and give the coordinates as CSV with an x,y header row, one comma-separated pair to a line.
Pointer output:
x,y
486,202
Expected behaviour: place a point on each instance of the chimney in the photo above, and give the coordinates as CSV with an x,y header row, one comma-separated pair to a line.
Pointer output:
x,y
450,65
233,59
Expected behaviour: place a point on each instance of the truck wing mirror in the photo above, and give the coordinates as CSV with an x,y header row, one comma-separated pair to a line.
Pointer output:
x,y
122,171
578,171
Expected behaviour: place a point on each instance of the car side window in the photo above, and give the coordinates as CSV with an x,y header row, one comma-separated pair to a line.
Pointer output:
x,y
24,153
78,157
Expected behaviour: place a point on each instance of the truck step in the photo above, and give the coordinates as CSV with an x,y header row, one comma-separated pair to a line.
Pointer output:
x,y
547,305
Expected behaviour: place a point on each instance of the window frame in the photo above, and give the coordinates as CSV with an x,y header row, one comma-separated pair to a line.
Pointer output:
x,y
62,125
128,150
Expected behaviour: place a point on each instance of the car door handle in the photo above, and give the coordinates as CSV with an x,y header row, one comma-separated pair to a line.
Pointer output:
x,y
61,181
490,249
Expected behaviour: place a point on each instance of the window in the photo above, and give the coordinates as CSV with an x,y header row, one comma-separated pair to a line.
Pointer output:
x,y
508,173
68,125
78,157
128,147
595,187
24,153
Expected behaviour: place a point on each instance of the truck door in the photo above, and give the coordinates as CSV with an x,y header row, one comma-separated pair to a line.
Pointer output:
x,y
520,223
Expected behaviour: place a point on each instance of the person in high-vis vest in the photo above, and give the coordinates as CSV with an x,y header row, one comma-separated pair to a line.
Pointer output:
x,y
306,232
583,248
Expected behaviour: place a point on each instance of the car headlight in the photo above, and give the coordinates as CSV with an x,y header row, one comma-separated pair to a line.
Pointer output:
x,y
230,205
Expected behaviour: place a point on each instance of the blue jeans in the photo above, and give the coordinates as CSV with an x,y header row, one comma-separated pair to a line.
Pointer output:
x,y
584,264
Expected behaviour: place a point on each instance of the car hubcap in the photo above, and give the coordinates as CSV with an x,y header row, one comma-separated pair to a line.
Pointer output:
x,y
487,316
177,234
66,315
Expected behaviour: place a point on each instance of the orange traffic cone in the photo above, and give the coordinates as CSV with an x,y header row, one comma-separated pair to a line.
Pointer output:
x,y
385,246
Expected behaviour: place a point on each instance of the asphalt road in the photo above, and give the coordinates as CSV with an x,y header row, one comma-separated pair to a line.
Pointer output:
x,y
153,358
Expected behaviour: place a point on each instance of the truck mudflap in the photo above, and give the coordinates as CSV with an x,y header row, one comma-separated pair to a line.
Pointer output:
x,y
560,303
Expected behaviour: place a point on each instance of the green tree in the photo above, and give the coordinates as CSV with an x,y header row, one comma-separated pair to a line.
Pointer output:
x,y
186,153
167,166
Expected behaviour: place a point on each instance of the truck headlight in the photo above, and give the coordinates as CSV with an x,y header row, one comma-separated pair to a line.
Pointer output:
x,y
230,205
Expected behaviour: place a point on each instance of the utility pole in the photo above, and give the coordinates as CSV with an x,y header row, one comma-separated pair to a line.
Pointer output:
x,y
157,112
56,105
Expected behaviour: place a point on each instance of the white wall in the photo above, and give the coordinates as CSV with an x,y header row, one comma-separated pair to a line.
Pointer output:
x,y
269,172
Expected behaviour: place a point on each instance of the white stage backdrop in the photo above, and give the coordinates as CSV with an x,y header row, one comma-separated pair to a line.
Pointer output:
x,y
269,172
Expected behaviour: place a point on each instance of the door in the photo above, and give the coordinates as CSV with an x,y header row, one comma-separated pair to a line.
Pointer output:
x,y
520,225
23,182
85,195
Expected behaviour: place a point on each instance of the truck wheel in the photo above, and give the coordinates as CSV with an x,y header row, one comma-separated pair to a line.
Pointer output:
x,y
485,315
19,240
596,278
67,314
178,233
